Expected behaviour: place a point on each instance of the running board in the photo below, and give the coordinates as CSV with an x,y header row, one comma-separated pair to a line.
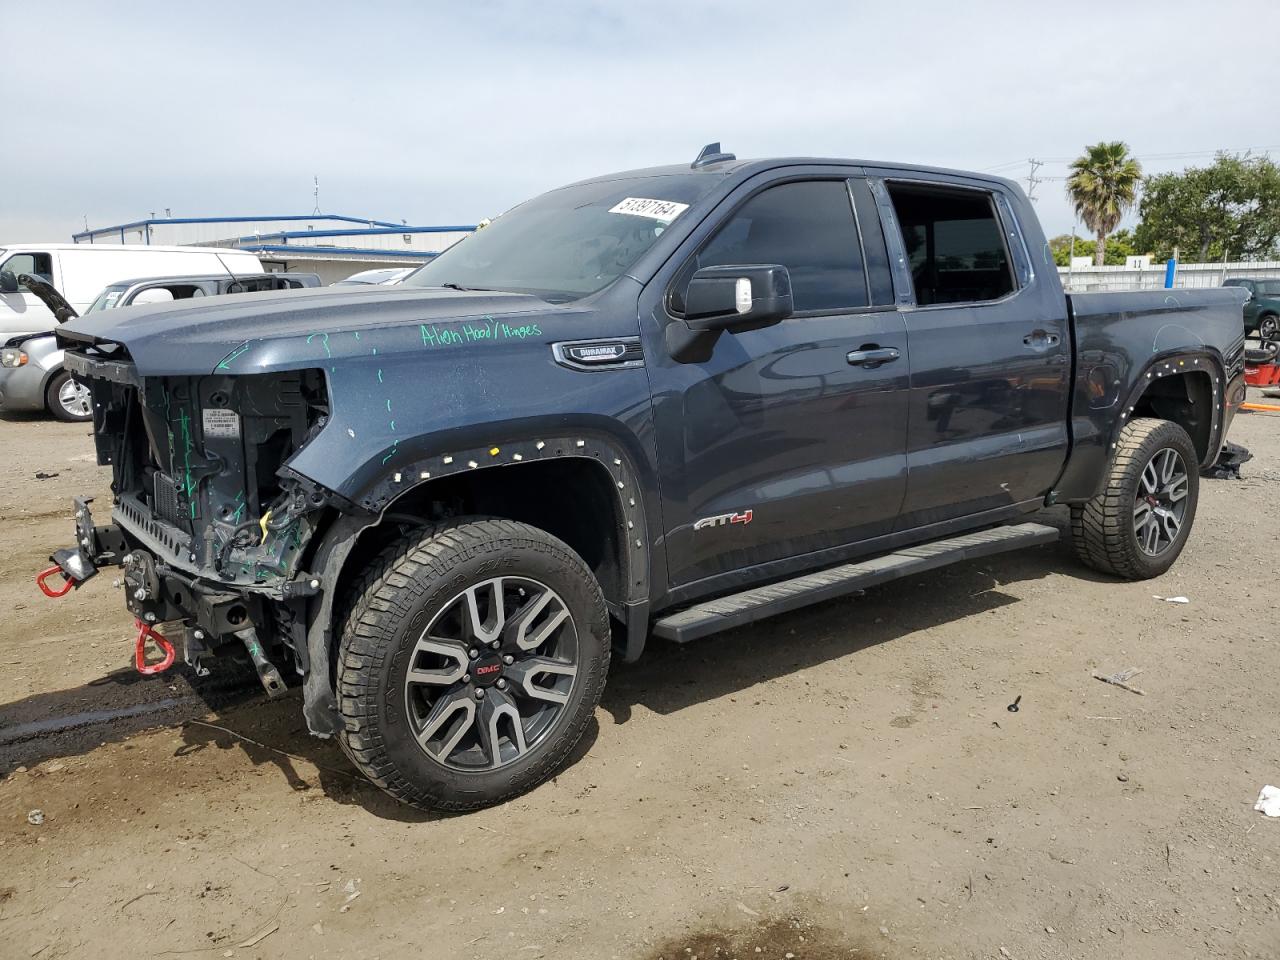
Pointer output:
x,y
760,602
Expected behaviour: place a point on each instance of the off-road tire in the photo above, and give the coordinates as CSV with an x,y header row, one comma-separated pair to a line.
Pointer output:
x,y
51,392
1102,530
392,603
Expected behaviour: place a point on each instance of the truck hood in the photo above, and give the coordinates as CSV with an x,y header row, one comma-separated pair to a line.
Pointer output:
x,y
256,333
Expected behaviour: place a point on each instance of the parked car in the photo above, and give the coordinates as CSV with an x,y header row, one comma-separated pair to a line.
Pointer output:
x,y
381,277
1262,309
31,372
665,402
78,271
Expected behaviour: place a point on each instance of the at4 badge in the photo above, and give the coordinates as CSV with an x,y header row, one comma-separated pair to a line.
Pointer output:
x,y
723,520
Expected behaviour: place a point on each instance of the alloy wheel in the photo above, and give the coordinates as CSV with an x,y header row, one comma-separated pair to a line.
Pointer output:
x,y
1161,502
491,674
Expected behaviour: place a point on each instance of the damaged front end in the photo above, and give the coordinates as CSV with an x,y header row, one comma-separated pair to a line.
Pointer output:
x,y
210,526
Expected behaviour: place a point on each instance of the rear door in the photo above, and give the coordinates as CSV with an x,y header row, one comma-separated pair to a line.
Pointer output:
x,y
783,442
990,352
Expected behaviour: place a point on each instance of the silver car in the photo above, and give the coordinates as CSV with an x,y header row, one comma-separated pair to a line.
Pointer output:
x,y
31,373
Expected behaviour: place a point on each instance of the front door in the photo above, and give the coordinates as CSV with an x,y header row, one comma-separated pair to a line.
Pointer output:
x,y
21,311
990,357
790,439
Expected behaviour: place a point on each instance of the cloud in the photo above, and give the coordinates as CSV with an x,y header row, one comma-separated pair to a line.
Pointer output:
x,y
451,111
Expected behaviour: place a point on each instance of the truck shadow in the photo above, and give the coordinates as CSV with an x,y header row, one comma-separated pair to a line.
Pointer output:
x,y
63,723
670,677
226,711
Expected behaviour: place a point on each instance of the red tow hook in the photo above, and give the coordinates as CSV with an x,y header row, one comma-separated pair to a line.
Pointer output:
x,y
145,633
48,591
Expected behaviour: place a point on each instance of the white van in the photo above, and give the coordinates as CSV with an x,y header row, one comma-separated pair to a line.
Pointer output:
x,y
79,271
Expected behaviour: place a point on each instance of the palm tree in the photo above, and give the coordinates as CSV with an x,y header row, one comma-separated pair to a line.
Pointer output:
x,y
1103,185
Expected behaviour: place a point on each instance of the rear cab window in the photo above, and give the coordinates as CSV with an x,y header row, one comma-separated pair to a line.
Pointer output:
x,y
954,242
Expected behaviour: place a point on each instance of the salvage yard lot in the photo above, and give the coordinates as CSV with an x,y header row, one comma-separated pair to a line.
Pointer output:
x,y
845,781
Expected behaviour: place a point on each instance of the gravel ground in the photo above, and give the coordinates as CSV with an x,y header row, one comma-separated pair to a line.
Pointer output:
x,y
845,781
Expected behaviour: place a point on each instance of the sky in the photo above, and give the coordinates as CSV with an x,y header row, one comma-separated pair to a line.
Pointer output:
x,y
446,112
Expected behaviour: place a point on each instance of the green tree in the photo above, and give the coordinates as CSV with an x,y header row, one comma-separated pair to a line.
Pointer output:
x,y
1120,244
1103,186
1230,209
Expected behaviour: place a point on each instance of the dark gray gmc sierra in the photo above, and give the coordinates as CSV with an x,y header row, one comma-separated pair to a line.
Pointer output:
x,y
664,402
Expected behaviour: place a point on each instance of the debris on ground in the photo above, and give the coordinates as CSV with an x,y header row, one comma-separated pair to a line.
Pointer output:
x,y
1121,679
1172,599
35,817
1268,801
41,475
1233,456
262,935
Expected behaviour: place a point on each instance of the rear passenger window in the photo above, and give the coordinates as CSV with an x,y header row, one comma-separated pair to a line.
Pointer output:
x,y
954,244
806,226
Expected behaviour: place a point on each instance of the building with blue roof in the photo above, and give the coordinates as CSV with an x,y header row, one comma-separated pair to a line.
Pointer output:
x,y
331,245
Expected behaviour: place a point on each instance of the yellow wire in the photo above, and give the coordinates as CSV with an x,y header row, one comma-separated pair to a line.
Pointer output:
x,y
262,525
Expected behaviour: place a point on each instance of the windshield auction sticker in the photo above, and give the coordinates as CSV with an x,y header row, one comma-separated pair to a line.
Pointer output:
x,y
664,211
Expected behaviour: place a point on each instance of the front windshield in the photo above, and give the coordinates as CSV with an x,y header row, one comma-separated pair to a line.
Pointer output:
x,y
108,298
567,243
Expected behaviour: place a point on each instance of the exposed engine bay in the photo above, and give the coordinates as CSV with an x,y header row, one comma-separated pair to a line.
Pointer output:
x,y
209,524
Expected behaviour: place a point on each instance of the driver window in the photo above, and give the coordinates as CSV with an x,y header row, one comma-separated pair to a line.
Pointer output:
x,y
38,264
806,226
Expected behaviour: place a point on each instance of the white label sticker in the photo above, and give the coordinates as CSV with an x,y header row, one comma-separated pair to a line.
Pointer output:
x,y
221,423
664,211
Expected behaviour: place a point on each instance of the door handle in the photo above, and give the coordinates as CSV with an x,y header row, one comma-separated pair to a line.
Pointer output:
x,y
871,356
1041,340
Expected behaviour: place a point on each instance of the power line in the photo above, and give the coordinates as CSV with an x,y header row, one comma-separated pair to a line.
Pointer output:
x,y
1186,155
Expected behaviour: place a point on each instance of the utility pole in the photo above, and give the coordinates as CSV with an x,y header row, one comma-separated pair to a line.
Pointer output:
x,y
316,193
1032,180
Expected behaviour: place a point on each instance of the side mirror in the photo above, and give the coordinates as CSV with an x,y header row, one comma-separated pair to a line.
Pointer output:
x,y
8,282
738,297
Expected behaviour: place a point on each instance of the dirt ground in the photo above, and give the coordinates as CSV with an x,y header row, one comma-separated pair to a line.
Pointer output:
x,y
846,781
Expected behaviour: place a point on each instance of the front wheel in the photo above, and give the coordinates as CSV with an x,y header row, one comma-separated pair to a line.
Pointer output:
x,y
1268,327
470,664
1136,527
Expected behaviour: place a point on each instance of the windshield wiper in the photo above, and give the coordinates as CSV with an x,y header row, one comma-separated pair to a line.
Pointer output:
x,y
458,286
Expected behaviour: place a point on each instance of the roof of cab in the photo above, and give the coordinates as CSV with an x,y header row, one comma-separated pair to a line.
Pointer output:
x,y
741,169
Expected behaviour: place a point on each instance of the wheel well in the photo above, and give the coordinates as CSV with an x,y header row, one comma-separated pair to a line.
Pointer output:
x,y
571,498
1187,400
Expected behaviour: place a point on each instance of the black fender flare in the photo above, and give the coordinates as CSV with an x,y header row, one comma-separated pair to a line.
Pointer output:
x,y
1177,363
380,497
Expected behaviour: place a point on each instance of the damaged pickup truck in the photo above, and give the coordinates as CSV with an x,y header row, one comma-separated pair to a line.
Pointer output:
x,y
659,403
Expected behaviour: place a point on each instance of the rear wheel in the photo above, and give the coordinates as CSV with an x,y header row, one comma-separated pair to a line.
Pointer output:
x,y
68,399
1136,527
471,662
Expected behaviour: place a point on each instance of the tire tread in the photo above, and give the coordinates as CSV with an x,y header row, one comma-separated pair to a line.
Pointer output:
x,y
385,591
1100,532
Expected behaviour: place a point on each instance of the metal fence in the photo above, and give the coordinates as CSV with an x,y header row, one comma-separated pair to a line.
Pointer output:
x,y
1189,276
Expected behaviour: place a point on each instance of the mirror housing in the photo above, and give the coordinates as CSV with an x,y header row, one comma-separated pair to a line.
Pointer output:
x,y
8,282
738,297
